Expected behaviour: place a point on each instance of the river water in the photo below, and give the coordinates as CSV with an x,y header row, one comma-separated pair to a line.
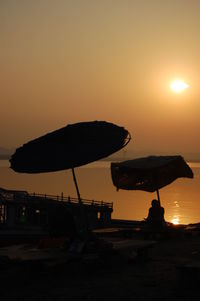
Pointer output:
x,y
181,199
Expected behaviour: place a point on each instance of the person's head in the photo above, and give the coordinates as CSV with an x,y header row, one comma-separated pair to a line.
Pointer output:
x,y
154,203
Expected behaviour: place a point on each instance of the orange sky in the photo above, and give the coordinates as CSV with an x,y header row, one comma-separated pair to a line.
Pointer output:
x,y
69,61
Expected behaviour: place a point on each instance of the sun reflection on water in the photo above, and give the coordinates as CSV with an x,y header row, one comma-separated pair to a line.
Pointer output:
x,y
176,204
175,220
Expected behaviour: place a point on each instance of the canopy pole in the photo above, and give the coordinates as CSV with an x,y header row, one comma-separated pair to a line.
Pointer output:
x,y
158,195
76,185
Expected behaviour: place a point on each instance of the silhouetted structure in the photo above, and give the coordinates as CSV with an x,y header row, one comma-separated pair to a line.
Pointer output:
x,y
27,214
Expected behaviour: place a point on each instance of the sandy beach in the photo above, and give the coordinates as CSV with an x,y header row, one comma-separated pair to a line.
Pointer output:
x,y
169,270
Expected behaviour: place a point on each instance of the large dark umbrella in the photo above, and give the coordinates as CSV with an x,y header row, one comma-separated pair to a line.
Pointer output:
x,y
69,147
149,173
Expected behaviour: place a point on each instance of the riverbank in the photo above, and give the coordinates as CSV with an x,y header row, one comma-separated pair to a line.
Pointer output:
x,y
170,270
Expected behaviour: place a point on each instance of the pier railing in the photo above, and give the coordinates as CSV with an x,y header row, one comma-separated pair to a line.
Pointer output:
x,y
69,199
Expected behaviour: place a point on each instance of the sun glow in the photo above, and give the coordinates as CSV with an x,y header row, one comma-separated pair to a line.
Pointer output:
x,y
178,86
175,221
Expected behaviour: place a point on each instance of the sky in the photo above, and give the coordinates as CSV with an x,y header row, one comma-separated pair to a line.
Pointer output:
x,y
63,62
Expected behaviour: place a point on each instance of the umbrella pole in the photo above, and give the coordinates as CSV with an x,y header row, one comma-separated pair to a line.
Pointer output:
x,y
82,211
76,185
158,195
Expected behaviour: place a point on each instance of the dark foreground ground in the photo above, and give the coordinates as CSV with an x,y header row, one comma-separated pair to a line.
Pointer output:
x,y
170,270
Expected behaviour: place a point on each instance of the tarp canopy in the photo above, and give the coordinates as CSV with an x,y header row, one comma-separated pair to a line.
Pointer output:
x,y
149,173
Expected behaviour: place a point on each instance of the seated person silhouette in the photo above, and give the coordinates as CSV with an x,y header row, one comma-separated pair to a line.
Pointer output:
x,y
156,214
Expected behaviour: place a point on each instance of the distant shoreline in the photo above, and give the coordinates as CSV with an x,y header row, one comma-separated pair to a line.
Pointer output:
x,y
114,159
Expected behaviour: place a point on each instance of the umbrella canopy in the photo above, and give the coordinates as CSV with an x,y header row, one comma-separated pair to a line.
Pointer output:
x,y
149,173
69,147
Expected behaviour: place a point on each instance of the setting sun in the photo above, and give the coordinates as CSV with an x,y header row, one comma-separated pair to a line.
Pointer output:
x,y
178,86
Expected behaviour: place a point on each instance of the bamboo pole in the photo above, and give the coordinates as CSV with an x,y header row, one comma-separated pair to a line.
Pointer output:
x,y
76,185
158,195
83,219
